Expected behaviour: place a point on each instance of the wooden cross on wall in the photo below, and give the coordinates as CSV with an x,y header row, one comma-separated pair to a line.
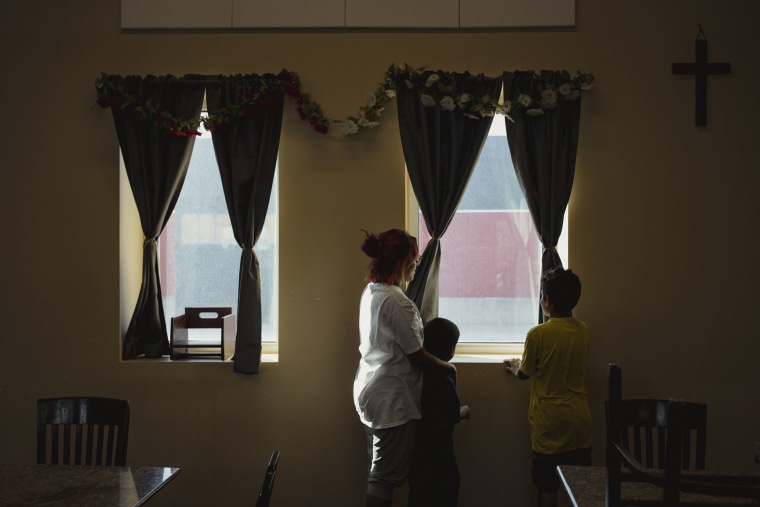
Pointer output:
x,y
701,69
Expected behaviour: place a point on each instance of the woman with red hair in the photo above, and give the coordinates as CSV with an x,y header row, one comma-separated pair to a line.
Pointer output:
x,y
388,383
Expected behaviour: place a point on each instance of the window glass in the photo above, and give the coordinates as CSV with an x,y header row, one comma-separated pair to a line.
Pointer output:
x,y
199,259
491,255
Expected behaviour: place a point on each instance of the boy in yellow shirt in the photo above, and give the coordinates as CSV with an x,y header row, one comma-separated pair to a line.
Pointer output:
x,y
554,359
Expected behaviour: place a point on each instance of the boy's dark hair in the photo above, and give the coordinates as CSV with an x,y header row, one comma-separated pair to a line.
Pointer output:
x,y
563,287
440,335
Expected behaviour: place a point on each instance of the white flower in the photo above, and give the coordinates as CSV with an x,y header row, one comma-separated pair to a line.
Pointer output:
x,y
485,99
371,100
379,111
463,100
447,104
548,99
390,93
350,128
363,122
535,112
427,100
431,80
524,100
409,84
564,90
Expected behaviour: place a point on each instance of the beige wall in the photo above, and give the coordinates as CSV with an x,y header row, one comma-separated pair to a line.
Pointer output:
x,y
664,235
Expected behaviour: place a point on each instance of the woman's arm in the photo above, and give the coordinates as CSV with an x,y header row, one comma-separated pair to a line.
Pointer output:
x,y
425,359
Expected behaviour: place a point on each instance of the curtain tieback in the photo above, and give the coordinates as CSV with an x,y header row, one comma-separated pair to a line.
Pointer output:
x,y
149,241
551,249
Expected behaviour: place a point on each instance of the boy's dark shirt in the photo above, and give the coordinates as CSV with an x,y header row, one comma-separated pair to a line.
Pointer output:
x,y
434,441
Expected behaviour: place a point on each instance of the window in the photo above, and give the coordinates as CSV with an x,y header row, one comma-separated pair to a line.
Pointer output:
x,y
491,255
199,259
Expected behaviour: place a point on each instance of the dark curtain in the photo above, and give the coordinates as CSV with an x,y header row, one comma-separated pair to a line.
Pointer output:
x,y
156,161
246,152
441,148
543,149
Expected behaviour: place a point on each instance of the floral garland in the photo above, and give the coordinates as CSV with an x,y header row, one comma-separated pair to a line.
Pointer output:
x,y
112,92
253,101
376,102
436,91
547,95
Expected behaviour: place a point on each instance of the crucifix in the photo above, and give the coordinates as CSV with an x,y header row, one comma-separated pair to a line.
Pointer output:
x,y
701,69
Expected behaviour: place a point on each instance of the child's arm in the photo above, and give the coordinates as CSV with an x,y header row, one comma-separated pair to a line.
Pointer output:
x,y
464,412
513,367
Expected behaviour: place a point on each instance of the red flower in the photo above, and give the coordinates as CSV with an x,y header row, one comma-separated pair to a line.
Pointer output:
x,y
321,128
266,102
103,101
291,90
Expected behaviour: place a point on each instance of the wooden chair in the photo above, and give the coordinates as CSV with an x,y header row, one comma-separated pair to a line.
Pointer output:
x,y
181,345
265,493
101,431
675,423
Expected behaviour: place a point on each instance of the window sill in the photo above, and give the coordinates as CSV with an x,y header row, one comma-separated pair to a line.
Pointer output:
x,y
265,358
486,353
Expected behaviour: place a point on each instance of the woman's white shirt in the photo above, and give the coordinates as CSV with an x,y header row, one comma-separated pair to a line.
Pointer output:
x,y
387,387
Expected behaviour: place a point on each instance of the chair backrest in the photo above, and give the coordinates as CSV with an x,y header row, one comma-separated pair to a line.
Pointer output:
x,y
100,431
673,480
645,424
265,493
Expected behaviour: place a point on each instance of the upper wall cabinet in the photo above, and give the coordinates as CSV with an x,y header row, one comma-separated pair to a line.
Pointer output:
x,y
176,14
402,14
346,14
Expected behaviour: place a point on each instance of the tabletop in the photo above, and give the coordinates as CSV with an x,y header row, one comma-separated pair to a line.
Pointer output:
x,y
587,487
83,486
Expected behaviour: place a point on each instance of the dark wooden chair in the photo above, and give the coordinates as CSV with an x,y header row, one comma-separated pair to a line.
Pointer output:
x,y
668,428
265,494
100,431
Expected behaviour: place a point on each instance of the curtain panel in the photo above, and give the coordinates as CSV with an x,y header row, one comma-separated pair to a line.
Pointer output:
x,y
246,153
441,138
543,141
156,161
